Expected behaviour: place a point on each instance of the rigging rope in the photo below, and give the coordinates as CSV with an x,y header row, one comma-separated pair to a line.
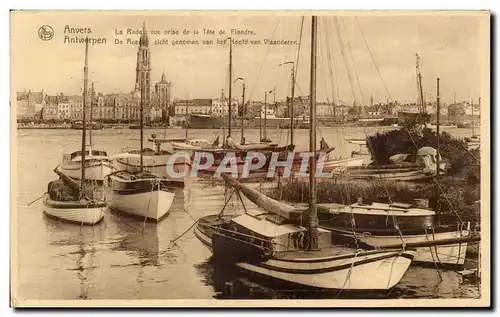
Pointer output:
x,y
263,62
353,65
341,46
373,59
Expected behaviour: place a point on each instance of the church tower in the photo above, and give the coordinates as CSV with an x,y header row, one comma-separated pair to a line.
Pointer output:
x,y
162,90
143,69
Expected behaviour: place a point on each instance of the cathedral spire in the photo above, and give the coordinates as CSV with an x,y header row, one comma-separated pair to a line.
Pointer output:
x,y
144,41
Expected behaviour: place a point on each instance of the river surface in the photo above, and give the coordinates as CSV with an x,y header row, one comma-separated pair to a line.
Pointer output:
x,y
125,258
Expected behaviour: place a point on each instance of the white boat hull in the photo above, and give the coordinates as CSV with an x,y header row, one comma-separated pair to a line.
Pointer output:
x,y
372,272
450,254
87,216
154,204
95,171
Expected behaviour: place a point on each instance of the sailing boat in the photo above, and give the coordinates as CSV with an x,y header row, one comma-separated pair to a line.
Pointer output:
x,y
136,191
97,164
276,245
67,200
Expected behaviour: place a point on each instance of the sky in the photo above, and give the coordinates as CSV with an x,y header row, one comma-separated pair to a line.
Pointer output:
x,y
359,54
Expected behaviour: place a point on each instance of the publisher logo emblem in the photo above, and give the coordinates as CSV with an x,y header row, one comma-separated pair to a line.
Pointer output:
x,y
45,32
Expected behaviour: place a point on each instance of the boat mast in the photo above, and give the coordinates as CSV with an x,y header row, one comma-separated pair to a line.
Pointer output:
x,y
222,97
438,109
90,126
291,103
141,115
85,87
230,84
260,121
474,118
242,113
419,85
265,117
313,216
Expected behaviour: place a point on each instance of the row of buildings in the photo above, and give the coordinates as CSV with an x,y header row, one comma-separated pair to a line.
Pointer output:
x,y
125,107
110,107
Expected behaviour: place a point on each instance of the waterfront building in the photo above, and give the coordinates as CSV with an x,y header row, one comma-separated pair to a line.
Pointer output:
x,y
63,111
203,106
220,108
181,107
324,109
125,108
50,111
155,113
27,103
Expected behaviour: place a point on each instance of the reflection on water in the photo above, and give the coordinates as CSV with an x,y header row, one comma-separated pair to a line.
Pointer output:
x,y
126,258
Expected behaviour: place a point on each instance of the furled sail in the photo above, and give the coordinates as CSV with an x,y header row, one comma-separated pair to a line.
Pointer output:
x,y
265,202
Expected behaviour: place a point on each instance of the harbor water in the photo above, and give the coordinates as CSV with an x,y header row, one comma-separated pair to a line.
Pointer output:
x,y
126,258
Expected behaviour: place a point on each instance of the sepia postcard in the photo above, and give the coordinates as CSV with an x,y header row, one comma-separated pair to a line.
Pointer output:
x,y
250,159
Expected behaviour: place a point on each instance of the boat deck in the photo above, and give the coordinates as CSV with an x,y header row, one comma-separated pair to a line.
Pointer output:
x,y
324,253
130,176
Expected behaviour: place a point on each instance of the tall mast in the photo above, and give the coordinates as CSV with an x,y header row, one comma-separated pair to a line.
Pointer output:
x,y
438,108
90,126
474,118
265,117
85,88
230,84
141,115
419,85
242,113
260,121
291,104
313,216
222,97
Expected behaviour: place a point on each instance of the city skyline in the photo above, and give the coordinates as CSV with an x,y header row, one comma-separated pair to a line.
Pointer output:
x,y
452,54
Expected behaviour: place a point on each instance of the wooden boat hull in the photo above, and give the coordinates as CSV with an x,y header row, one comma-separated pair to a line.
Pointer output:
x,y
449,254
73,211
94,171
154,204
360,271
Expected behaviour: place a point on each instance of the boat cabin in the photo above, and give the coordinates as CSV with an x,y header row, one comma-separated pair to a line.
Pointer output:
x,y
272,232
89,155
